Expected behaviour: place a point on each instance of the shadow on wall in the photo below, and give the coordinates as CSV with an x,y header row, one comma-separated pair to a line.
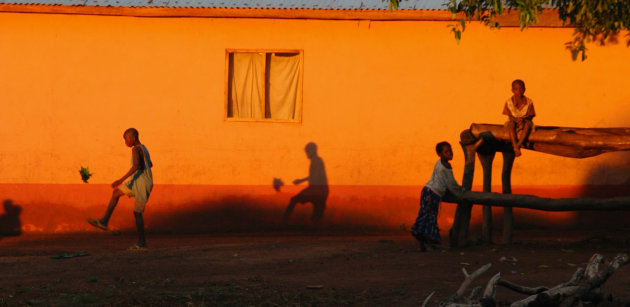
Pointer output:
x,y
608,178
317,191
10,224
245,214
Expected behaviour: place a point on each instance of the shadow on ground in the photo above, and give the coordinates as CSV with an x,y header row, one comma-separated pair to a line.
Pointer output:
x,y
10,224
243,214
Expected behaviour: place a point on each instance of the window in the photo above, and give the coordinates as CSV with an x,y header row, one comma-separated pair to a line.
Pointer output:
x,y
264,85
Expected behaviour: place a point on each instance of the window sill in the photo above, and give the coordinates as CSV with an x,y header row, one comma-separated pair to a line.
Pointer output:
x,y
263,120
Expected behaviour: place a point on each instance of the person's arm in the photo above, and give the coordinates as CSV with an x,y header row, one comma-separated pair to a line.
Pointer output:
x,y
530,112
311,167
298,181
451,184
135,154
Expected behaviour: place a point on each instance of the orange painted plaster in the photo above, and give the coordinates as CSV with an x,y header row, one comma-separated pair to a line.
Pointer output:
x,y
377,97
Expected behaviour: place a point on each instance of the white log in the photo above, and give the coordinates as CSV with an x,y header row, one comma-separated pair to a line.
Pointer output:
x,y
492,286
474,294
521,289
574,281
467,281
593,266
582,284
597,280
555,294
426,300
562,290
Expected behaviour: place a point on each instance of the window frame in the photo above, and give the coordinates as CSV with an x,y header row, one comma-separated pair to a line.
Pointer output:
x,y
299,103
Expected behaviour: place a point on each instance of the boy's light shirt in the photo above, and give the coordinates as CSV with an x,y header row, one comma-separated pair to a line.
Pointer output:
x,y
522,112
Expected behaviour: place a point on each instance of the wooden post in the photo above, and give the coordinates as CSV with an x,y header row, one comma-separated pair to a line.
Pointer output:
x,y
486,158
506,182
459,230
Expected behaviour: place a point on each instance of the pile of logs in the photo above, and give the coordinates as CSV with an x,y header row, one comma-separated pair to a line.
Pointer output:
x,y
583,289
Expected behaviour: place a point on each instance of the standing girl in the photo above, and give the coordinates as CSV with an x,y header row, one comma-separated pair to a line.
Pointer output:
x,y
425,229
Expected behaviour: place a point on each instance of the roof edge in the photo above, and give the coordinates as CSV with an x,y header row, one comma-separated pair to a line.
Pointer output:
x,y
548,18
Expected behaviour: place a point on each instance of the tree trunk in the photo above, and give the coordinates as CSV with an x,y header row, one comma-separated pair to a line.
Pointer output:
x,y
486,165
506,183
461,221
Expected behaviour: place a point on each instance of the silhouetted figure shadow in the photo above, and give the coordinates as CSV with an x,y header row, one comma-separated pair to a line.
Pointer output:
x,y
10,224
317,190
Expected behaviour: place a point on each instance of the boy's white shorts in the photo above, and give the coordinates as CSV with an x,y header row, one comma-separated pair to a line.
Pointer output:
x,y
138,206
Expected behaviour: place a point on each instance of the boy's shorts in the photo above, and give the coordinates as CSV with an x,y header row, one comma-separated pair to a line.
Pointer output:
x,y
518,128
138,206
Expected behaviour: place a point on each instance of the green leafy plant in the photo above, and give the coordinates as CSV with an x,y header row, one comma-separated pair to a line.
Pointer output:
x,y
598,21
85,174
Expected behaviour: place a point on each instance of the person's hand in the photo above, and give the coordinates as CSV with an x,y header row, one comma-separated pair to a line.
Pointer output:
x,y
519,120
116,183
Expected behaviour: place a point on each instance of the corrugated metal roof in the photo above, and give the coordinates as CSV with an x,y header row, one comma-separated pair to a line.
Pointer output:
x,y
252,4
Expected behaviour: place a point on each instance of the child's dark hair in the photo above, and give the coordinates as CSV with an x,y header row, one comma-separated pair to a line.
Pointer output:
x,y
133,132
440,146
519,81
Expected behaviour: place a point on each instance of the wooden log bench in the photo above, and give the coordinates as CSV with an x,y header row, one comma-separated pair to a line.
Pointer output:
x,y
560,141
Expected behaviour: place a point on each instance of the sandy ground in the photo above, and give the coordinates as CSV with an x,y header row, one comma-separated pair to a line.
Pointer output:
x,y
309,268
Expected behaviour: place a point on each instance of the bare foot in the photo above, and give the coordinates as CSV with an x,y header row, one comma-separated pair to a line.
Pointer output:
x,y
97,223
432,248
422,247
517,152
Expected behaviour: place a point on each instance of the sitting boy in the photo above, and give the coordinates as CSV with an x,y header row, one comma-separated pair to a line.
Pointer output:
x,y
520,111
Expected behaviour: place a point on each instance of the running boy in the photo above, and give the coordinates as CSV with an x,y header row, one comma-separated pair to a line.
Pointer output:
x,y
520,112
139,187
425,228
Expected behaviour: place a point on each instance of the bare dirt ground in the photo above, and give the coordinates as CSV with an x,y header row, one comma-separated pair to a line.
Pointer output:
x,y
308,268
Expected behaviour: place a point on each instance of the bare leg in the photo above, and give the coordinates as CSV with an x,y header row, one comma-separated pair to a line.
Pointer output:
x,y
290,207
423,242
511,126
318,210
527,127
112,205
140,226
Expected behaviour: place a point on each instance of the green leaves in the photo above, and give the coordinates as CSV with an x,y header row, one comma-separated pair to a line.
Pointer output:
x,y
85,174
456,32
529,11
594,20
393,4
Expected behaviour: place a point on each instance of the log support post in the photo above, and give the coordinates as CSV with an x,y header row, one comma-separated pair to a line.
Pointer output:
x,y
486,159
459,230
506,182
487,151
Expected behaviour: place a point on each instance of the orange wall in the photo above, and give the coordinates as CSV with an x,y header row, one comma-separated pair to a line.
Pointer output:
x,y
237,208
377,97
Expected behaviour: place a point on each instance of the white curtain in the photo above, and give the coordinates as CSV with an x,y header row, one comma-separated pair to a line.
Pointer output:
x,y
284,81
248,81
